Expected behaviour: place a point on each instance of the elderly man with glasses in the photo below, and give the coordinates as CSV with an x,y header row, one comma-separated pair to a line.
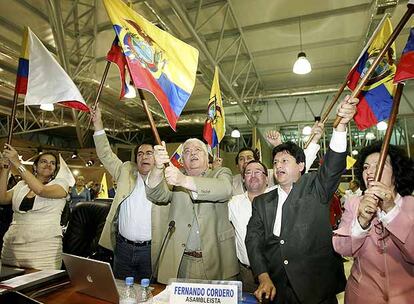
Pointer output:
x,y
202,246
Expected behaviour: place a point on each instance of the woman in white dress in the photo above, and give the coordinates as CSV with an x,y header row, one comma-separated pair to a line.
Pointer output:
x,y
34,238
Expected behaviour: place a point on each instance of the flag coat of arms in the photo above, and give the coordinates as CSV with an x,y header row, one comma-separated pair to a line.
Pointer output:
x,y
215,125
42,79
157,61
375,99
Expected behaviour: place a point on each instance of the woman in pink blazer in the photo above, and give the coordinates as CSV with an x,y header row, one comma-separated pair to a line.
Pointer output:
x,y
377,230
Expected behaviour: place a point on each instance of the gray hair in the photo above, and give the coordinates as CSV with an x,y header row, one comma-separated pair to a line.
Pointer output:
x,y
196,140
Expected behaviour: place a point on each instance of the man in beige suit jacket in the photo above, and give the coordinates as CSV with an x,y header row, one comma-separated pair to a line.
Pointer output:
x,y
202,246
134,225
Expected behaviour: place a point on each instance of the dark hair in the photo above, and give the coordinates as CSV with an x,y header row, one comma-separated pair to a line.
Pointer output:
x,y
36,161
294,150
257,162
138,146
402,167
256,155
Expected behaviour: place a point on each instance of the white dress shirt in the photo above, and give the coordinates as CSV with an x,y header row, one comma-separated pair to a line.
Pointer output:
x,y
135,214
134,221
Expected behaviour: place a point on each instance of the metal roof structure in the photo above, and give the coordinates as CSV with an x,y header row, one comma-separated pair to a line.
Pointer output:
x,y
254,44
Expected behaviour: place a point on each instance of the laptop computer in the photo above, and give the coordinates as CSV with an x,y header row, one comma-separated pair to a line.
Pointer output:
x,y
92,277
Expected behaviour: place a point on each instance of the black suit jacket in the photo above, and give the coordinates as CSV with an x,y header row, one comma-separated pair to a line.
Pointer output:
x,y
304,249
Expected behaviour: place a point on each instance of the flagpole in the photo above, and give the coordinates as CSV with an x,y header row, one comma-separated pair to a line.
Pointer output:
x,y
329,109
150,118
387,137
98,95
377,60
13,113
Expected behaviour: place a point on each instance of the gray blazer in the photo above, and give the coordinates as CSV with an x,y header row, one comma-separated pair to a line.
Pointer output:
x,y
217,234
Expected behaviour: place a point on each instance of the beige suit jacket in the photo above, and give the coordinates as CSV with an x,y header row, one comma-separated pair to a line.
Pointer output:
x,y
217,235
125,173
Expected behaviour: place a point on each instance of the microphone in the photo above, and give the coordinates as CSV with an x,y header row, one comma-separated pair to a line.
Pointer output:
x,y
171,227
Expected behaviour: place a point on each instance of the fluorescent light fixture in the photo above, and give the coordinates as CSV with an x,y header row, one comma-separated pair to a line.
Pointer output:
x,y
382,126
235,133
307,130
47,107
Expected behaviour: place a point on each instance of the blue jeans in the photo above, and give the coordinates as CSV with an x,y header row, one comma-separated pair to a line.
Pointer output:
x,y
131,260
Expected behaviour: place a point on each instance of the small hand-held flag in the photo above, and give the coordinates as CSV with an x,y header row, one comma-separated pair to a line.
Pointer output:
x,y
215,125
157,62
176,157
42,79
377,94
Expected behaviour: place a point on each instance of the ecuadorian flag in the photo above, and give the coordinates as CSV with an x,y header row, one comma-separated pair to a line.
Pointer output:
x,y
405,68
42,79
215,125
176,157
158,62
375,99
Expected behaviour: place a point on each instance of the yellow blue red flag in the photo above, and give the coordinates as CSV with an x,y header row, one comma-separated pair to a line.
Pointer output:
x,y
176,157
375,99
215,125
405,68
157,62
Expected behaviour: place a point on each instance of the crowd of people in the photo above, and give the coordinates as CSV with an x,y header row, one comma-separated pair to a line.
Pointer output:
x,y
271,228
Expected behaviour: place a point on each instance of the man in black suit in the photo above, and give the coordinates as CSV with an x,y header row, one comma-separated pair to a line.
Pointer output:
x,y
290,248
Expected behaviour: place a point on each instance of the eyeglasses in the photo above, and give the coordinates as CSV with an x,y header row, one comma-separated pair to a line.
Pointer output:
x,y
382,232
254,173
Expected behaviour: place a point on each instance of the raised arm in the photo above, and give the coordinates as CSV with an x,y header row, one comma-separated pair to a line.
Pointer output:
x,y
48,191
334,163
109,159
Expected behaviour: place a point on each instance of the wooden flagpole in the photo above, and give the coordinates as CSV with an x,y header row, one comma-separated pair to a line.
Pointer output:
x,y
387,137
150,118
13,114
377,60
98,95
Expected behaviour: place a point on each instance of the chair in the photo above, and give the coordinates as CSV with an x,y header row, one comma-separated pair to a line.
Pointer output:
x,y
84,230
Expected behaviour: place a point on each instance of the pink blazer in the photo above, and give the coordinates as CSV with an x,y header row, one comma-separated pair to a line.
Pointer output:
x,y
379,275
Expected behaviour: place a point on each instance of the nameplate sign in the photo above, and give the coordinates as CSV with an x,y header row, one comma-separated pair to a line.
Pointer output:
x,y
184,293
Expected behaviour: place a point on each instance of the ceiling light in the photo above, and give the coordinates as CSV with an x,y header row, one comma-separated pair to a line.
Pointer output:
x,y
235,84
302,64
382,126
131,93
75,172
370,136
307,130
90,163
47,107
74,155
354,152
235,133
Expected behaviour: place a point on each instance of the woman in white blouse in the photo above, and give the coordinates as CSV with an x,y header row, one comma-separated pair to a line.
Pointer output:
x,y
34,238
